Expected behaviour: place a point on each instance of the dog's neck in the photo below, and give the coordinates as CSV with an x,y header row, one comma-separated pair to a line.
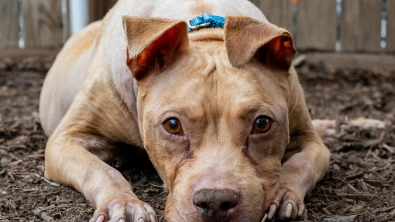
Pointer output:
x,y
207,34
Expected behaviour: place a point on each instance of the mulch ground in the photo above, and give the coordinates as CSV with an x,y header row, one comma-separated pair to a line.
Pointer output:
x,y
359,184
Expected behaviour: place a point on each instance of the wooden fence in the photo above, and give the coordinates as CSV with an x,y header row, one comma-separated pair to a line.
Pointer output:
x,y
315,24
41,24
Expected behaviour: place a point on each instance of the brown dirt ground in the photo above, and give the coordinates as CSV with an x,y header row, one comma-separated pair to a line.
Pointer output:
x,y
360,180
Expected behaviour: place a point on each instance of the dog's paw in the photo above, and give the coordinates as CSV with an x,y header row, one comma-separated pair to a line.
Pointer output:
x,y
287,204
120,210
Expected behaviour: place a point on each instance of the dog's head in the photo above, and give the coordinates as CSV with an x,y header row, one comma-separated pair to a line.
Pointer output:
x,y
213,114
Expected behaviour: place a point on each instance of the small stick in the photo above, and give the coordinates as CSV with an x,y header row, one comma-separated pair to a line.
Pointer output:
x,y
357,196
347,200
326,211
51,183
352,188
40,212
264,218
362,184
355,176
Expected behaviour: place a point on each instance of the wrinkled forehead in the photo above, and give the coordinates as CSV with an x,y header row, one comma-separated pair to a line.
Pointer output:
x,y
203,82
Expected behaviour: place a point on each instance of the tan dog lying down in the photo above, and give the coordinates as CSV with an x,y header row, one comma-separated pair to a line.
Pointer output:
x,y
220,113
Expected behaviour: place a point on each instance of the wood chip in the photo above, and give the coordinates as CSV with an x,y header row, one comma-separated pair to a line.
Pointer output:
x,y
372,143
356,196
348,208
15,163
332,206
362,185
63,201
386,209
352,188
347,200
37,156
390,149
31,190
354,176
326,211
341,218
356,163
375,183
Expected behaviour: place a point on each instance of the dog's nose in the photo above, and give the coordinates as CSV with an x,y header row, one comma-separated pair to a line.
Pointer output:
x,y
216,203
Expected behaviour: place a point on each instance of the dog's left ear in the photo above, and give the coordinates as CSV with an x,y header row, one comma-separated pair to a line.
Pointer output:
x,y
153,43
247,38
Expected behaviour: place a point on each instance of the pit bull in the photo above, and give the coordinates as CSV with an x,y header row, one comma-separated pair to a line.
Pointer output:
x,y
219,111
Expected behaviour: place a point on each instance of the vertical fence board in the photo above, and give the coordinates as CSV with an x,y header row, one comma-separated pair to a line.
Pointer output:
x,y
278,12
68,21
99,8
390,26
316,25
43,23
9,27
360,25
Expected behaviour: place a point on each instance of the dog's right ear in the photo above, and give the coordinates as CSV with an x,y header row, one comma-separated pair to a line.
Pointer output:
x,y
247,38
153,43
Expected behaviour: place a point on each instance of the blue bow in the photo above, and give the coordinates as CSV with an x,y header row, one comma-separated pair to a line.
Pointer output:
x,y
206,21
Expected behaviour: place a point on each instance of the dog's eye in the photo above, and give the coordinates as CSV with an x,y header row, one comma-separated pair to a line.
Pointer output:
x,y
262,124
173,126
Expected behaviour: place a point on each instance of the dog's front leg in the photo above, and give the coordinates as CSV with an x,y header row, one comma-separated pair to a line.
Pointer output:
x,y
70,163
305,162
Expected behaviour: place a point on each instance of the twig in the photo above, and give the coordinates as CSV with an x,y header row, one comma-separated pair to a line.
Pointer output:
x,y
31,190
352,188
390,149
356,196
354,176
51,183
341,218
323,189
40,212
376,183
264,218
362,185
15,163
326,211
375,142
385,209
374,169
348,208
36,156
377,174
334,205
348,200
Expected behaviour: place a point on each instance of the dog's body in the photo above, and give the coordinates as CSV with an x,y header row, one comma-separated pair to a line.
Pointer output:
x,y
133,84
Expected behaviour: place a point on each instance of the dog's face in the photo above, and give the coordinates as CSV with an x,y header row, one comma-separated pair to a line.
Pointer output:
x,y
214,124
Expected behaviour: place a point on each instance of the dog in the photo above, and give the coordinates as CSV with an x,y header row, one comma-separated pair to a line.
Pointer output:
x,y
219,111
